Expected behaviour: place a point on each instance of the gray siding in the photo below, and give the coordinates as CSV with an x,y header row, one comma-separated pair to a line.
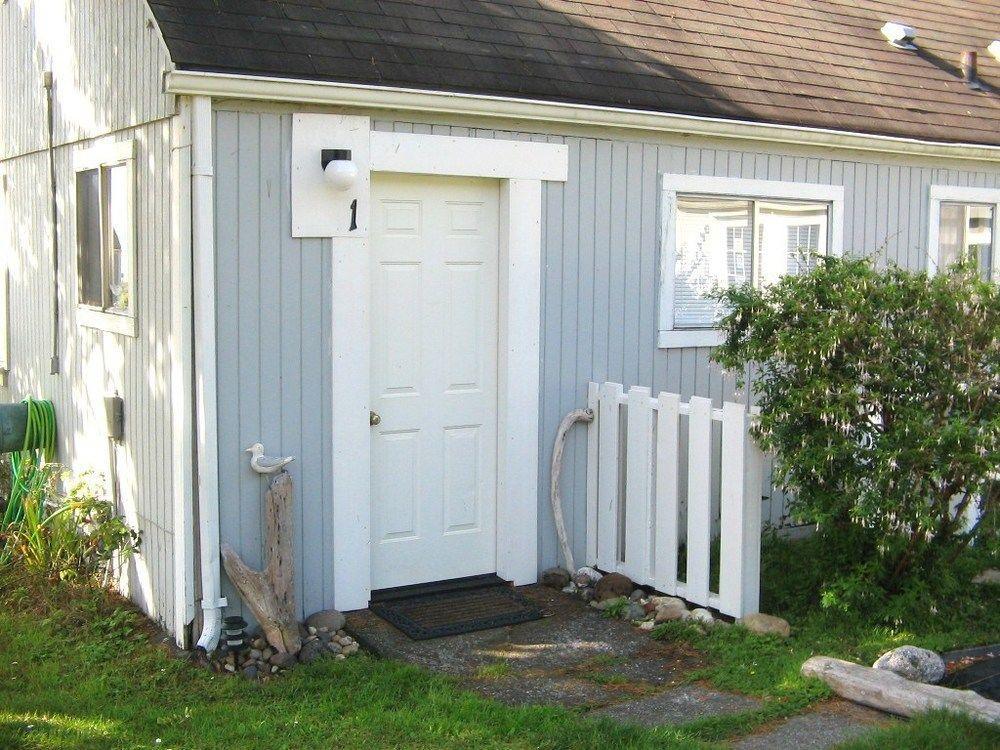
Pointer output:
x,y
96,363
273,349
600,267
107,59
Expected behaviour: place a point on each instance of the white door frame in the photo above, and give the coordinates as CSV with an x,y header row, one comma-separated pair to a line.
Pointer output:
x,y
520,166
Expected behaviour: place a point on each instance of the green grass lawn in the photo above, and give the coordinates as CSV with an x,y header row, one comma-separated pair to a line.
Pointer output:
x,y
78,670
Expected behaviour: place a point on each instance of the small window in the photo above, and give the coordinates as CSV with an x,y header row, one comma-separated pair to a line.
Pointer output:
x,y
966,233
106,238
721,232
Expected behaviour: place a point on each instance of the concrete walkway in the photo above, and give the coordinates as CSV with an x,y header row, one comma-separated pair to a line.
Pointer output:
x,y
576,657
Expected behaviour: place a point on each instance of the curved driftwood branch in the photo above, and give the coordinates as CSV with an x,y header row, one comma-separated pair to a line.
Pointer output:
x,y
579,415
889,692
270,593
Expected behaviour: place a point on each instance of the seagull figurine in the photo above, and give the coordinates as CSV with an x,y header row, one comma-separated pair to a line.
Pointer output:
x,y
266,464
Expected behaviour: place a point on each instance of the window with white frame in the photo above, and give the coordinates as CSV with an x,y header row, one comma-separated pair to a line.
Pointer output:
x,y
105,237
963,227
720,232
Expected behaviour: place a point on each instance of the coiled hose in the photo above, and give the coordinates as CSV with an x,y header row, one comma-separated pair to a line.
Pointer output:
x,y
39,449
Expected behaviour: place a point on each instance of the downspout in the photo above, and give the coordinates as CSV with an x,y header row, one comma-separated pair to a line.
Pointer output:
x,y
206,425
50,126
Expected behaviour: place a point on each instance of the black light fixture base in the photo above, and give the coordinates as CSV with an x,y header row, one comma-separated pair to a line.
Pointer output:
x,y
334,154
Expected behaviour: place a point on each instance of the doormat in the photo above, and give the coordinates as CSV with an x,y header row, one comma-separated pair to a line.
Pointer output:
x,y
453,607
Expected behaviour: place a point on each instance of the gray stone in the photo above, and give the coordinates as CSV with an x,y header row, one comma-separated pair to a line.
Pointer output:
x,y
351,648
638,595
282,661
677,706
586,577
634,611
310,651
990,576
255,653
703,616
762,624
670,610
913,663
613,586
330,619
250,672
334,648
554,578
569,588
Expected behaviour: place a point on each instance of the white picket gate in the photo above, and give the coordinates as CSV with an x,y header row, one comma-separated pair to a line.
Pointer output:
x,y
634,495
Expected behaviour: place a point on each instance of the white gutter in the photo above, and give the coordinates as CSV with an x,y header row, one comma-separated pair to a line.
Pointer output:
x,y
181,392
203,244
385,97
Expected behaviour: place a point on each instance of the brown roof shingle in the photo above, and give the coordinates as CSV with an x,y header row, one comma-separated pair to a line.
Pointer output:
x,y
818,63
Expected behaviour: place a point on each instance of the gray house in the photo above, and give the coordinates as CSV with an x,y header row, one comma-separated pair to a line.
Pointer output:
x,y
397,241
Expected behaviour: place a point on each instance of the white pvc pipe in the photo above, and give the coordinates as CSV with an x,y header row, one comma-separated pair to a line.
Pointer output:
x,y
203,264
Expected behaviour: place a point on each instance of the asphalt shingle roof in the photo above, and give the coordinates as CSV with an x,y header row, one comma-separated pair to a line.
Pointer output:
x,y
818,63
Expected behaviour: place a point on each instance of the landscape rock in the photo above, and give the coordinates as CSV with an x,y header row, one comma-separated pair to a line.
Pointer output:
x,y
702,615
569,588
310,651
638,595
282,660
250,672
912,663
586,577
762,624
990,575
635,611
334,648
613,586
330,619
647,625
554,578
670,610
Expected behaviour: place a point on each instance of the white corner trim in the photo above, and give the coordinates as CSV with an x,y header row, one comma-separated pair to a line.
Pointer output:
x,y
674,184
264,88
689,338
181,353
121,323
938,194
103,154
469,157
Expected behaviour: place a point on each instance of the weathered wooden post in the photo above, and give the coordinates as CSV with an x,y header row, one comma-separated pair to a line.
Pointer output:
x,y
270,593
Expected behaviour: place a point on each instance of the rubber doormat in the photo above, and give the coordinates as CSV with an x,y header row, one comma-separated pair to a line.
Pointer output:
x,y
437,611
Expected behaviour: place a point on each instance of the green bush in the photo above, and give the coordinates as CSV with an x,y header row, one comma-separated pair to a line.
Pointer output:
x,y
76,536
879,393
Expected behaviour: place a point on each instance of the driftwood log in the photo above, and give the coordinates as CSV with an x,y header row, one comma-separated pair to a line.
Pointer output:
x,y
889,692
579,415
270,593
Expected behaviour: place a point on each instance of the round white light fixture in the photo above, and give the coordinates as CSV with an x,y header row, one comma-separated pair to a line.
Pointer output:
x,y
340,172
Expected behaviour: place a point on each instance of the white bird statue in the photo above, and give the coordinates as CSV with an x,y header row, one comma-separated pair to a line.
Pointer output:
x,y
266,464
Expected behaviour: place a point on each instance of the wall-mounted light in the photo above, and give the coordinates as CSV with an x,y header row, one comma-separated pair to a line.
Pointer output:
x,y
994,49
338,168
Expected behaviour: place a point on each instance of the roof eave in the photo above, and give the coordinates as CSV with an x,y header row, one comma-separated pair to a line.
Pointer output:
x,y
305,91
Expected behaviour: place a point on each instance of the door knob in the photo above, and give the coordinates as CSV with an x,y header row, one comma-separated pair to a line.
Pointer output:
x,y
373,418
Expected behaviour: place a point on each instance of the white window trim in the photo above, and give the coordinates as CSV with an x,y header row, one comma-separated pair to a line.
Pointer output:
x,y
730,187
107,155
938,194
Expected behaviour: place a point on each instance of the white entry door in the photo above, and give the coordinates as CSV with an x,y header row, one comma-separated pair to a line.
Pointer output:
x,y
434,255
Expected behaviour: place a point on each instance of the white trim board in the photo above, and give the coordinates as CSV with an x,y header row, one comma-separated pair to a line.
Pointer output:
x,y
518,352
936,194
299,91
732,187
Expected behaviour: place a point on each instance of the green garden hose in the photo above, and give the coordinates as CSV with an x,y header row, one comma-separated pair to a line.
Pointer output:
x,y
39,449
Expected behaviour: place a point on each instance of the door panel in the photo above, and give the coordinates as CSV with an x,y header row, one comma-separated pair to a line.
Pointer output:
x,y
434,254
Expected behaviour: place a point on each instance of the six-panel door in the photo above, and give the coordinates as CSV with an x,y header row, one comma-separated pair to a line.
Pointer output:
x,y
434,255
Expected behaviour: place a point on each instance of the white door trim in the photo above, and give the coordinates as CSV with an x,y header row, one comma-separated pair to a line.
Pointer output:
x,y
521,166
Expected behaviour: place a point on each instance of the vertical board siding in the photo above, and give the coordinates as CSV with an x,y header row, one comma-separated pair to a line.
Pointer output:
x,y
95,363
273,318
107,65
600,256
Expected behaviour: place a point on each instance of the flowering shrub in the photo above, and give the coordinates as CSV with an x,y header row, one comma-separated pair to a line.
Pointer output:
x,y
73,536
879,393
